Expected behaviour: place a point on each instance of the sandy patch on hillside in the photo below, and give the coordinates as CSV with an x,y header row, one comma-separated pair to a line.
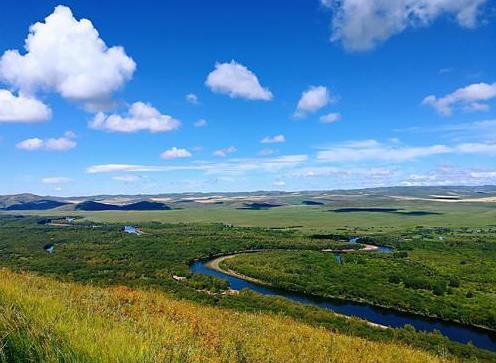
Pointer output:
x,y
465,200
161,199
214,199
117,201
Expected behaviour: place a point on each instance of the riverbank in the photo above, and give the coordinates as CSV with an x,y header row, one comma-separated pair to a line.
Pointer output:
x,y
362,301
215,265
377,315
366,248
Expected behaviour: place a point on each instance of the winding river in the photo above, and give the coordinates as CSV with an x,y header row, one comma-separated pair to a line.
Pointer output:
x,y
481,338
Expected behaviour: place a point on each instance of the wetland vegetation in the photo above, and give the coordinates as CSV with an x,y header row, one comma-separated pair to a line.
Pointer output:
x,y
102,255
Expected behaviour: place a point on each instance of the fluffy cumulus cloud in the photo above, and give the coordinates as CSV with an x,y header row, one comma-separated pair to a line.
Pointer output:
x,y
34,143
22,108
273,139
63,143
361,25
67,56
226,151
312,100
237,81
330,118
470,98
175,153
140,117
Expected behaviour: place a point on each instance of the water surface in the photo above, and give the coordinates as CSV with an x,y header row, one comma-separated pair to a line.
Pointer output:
x,y
479,337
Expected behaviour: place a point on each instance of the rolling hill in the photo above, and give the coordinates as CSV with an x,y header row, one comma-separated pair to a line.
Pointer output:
x,y
260,200
143,205
43,204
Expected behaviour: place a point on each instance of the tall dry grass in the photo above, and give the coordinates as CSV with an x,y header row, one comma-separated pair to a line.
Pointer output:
x,y
44,320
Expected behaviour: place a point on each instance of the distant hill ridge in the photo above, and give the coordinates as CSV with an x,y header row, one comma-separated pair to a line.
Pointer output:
x,y
43,204
143,205
239,200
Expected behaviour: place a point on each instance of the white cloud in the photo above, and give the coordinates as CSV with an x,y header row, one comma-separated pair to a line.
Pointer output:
x,y
60,144
226,151
192,98
136,168
361,25
312,100
175,153
476,148
352,153
446,70
331,171
67,56
483,127
63,143
201,123
345,176
266,152
371,150
231,166
22,108
237,81
237,166
126,178
279,183
56,180
140,116
34,143
478,131
114,168
361,143
451,175
483,174
273,140
470,98
330,117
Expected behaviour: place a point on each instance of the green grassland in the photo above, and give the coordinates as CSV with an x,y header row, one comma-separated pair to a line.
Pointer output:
x,y
312,218
101,255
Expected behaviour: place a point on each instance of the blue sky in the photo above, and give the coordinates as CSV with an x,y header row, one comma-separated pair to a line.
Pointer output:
x,y
181,96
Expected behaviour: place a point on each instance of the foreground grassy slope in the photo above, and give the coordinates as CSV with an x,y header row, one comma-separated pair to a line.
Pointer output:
x,y
45,320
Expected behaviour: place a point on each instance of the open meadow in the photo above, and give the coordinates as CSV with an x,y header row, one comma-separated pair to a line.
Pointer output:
x,y
311,217
440,264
